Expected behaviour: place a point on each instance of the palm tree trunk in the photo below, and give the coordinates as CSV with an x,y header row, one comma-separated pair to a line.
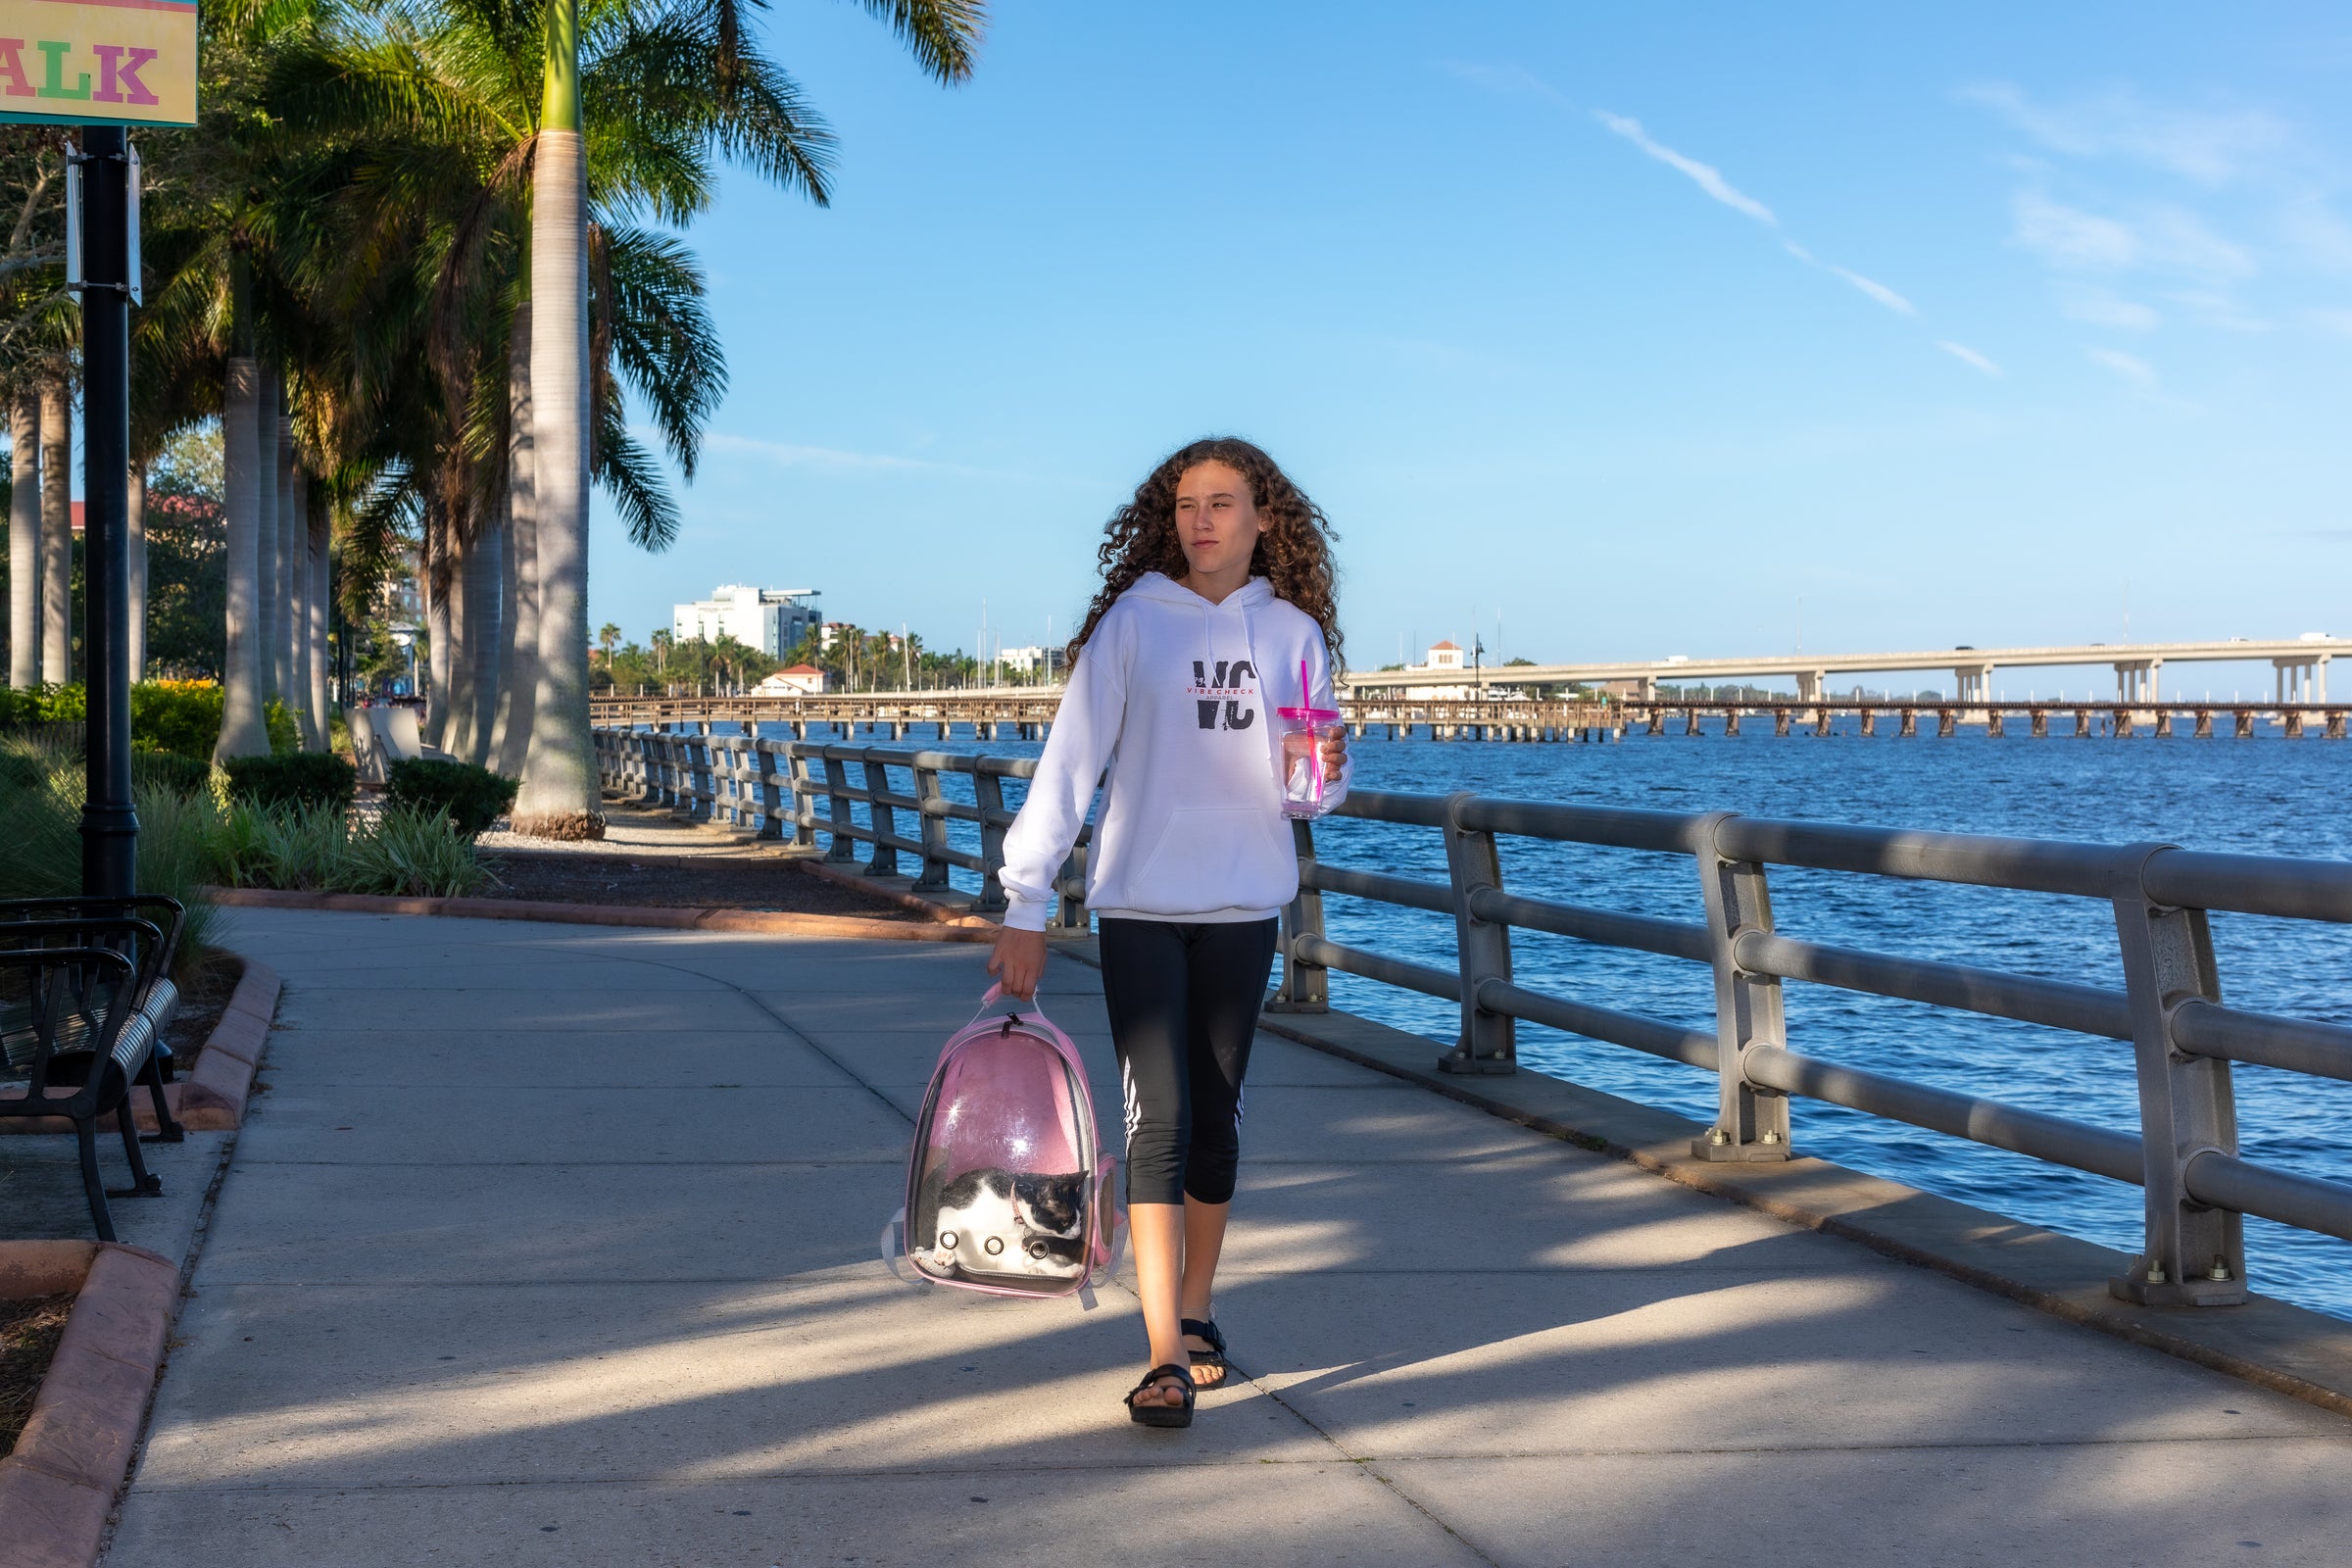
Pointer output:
x,y
267,613
57,534
465,642
321,539
242,730
288,576
309,718
136,515
25,541
483,567
437,580
519,683
560,798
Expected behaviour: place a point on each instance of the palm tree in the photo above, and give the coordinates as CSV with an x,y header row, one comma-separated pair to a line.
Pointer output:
x,y
35,322
243,730
743,107
608,638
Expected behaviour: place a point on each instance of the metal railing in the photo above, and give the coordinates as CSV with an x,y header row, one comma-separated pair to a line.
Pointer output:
x,y
796,789
2183,1037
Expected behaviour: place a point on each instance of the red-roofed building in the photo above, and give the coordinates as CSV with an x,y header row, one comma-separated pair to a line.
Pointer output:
x,y
800,680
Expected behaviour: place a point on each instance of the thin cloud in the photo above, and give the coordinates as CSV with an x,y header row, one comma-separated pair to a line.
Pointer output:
x,y
2211,147
1704,176
2072,239
2099,308
1970,357
1707,177
2136,371
1879,291
2218,310
2338,321
1507,79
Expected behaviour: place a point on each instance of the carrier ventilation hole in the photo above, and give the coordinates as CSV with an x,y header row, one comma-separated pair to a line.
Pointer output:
x,y
1036,1248
993,1245
947,1238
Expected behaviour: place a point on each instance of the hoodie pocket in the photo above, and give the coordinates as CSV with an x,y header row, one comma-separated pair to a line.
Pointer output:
x,y
1216,857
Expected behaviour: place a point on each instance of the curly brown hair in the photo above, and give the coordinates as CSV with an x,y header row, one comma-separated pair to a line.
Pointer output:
x,y
1292,554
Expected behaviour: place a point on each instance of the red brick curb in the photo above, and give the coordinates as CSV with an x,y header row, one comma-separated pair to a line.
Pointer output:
x,y
58,1487
764,922
211,1098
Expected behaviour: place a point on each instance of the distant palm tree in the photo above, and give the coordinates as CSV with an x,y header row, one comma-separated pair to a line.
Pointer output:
x,y
608,637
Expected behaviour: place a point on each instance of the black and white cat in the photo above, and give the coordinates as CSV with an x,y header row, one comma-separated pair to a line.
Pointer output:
x,y
994,1221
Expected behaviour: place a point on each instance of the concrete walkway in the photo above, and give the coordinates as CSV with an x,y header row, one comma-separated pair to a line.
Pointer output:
x,y
555,1246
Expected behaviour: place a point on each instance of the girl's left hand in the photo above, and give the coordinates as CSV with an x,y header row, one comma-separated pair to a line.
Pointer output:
x,y
1335,755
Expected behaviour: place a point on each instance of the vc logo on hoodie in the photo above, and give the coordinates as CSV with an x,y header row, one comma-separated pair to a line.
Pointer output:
x,y
1225,692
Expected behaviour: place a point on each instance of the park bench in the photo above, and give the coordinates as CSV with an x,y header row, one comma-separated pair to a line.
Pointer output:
x,y
85,992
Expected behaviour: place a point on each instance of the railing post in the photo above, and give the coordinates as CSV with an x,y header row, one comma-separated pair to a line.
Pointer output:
x,y
1489,1041
837,780
934,831
1305,987
884,862
1071,918
768,796
2195,1256
988,789
672,754
804,795
1751,1122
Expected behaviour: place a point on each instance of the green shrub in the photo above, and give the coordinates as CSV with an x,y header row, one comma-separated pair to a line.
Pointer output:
x,y
402,851
40,803
299,845
177,715
42,705
301,778
285,735
40,812
168,770
472,797
414,853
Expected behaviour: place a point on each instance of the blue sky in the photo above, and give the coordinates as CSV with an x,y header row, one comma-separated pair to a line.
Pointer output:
x,y
1642,333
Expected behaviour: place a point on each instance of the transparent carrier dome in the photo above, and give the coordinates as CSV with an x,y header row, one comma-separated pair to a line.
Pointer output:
x,y
998,1197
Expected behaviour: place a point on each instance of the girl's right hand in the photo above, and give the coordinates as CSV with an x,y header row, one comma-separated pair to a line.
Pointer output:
x,y
1019,961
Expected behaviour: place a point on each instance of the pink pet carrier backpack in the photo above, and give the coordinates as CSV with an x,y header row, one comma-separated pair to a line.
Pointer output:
x,y
1007,1191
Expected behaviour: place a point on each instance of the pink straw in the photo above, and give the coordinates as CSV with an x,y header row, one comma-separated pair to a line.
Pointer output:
x,y
1306,697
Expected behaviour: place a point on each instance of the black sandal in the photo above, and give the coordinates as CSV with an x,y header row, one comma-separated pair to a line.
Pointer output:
x,y
1214,1355
1161,1415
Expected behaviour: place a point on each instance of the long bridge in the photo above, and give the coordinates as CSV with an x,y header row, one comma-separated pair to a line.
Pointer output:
x,y
2299,665
1027,713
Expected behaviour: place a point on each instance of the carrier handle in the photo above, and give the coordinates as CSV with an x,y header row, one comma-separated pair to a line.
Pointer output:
x,y
995,994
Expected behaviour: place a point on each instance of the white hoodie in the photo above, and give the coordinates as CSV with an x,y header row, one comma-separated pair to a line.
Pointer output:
x,y
1177,697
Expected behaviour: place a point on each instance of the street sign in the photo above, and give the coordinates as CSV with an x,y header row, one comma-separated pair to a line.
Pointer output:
x,y
98,62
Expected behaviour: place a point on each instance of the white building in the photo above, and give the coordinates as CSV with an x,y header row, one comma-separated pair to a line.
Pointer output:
x,y
1445,656
770,619
1031,659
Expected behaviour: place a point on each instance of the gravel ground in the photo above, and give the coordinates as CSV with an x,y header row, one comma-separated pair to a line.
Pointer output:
x,y
652,858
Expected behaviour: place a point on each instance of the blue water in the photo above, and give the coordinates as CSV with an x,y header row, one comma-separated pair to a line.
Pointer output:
x,y
2264,796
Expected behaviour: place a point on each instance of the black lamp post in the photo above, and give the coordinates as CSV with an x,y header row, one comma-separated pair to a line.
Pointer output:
x,y
109,826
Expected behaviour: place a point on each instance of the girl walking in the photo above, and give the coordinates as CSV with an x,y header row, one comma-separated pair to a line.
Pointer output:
x,y
1216,593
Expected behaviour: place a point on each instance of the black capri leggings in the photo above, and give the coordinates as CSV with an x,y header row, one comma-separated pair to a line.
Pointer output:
x,y
1184,999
